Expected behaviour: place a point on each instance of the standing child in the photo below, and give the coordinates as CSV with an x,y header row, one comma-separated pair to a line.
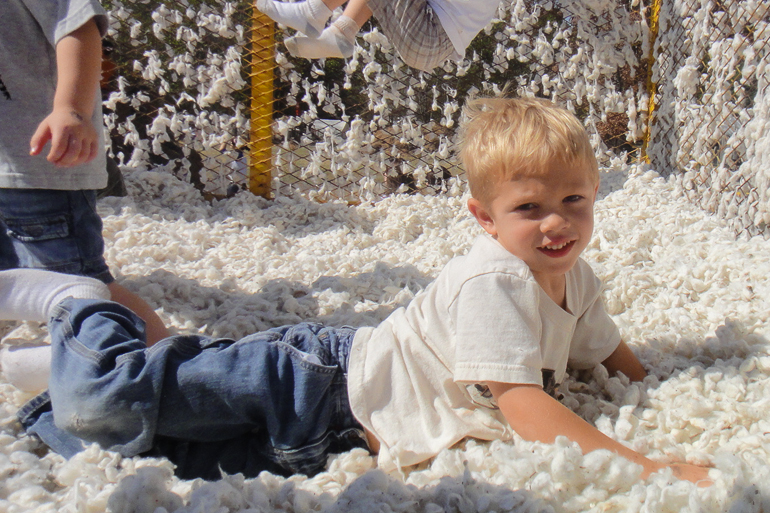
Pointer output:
x,y
425,32
50,67
479,353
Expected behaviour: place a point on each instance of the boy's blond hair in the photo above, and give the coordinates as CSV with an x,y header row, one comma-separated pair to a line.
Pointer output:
x,y
505,138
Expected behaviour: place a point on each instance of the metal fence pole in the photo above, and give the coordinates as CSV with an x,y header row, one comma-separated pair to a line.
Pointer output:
x,y
261,131
653,20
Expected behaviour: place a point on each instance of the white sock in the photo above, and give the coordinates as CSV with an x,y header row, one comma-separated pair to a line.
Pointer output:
x,y
308,17
30,294
27,368
337,40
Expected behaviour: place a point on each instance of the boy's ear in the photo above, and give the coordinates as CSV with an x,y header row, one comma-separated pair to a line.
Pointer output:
x,y
482,216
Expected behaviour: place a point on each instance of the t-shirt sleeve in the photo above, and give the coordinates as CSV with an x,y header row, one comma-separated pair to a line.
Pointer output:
x,y
596,335
62,17
498,330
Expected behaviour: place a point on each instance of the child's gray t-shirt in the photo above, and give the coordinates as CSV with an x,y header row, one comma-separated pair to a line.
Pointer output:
x,y
29,31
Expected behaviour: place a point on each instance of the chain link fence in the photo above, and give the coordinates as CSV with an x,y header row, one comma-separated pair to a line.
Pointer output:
x,y
177,90
182,95
709,126
372,126
206,89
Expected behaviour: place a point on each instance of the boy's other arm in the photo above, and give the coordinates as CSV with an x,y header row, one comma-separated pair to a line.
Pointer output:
x,y
625,361
536,416
74,140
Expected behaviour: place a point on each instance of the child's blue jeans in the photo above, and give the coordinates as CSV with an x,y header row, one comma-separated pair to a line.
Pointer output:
x,y
55,230
275,400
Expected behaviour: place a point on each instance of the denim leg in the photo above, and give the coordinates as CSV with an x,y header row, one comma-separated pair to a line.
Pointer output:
x,y
8,257
102,387
50,229
281,393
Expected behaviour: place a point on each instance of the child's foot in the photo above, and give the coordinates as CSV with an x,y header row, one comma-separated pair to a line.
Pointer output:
x,y
337,40
27,368
30,294
308,17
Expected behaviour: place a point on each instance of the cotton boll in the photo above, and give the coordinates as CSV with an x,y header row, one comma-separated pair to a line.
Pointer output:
x,y
615,388
219,495
144,491
625,427
563,468
29,497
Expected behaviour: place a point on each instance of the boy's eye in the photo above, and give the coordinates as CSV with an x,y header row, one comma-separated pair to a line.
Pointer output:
x,y
573,198
526,207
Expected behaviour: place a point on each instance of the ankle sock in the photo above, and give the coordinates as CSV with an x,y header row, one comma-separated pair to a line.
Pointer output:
x,y
348,27
27,368
308,17
30,294
337,40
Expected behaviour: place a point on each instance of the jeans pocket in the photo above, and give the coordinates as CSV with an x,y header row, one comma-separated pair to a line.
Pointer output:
x,y
38,229
309,361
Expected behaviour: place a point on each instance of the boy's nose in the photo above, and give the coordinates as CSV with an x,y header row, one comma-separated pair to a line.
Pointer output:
x,y
554,222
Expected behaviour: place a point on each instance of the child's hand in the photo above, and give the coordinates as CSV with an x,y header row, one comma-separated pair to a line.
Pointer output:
x,y
74,140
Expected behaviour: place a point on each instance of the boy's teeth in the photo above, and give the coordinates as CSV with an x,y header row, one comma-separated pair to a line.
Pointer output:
x,y
557,246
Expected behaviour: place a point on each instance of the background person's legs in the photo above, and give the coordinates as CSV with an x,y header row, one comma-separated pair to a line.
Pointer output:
x,y
308,17
336,40
415,30
411,26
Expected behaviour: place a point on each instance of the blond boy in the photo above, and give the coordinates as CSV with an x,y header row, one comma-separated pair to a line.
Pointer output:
x,y
479,353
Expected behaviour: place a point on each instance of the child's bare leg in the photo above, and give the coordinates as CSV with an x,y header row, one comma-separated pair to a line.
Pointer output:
x,y
338,39
154,326
358,11
308,17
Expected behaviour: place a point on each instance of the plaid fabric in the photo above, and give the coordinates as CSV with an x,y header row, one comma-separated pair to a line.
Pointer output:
x,y
415,30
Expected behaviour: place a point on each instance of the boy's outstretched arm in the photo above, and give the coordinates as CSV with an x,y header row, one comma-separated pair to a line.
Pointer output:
x,y
536,416
73,137
625,361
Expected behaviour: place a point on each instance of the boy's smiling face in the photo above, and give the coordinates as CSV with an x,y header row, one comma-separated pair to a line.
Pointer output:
x,y
545,219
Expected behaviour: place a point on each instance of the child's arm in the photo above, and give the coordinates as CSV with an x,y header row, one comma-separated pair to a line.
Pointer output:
x,y
73,137
537,416
625,361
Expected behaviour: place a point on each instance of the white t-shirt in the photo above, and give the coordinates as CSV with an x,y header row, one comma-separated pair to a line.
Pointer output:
x,y
413,379
464,19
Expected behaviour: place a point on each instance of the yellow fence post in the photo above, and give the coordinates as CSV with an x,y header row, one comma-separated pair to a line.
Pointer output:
x,y
653,21
261,132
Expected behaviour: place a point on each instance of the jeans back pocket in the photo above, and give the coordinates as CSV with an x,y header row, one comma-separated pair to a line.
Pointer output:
x,y
38,229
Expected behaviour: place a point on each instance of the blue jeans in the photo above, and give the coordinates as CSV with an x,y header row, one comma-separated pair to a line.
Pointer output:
x,y
54,230
275,400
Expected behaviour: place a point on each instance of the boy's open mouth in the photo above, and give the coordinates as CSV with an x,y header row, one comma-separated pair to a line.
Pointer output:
x,y
557,250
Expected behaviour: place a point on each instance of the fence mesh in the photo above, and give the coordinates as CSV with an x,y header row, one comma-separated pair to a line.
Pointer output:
x,y
709,125
177,92
206,88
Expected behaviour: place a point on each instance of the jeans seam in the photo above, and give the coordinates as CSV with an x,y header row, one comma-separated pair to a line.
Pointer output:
x,y
298,356
177,345
62,316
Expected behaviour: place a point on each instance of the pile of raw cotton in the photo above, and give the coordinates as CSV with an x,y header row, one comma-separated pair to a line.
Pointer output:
x,y
690,299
